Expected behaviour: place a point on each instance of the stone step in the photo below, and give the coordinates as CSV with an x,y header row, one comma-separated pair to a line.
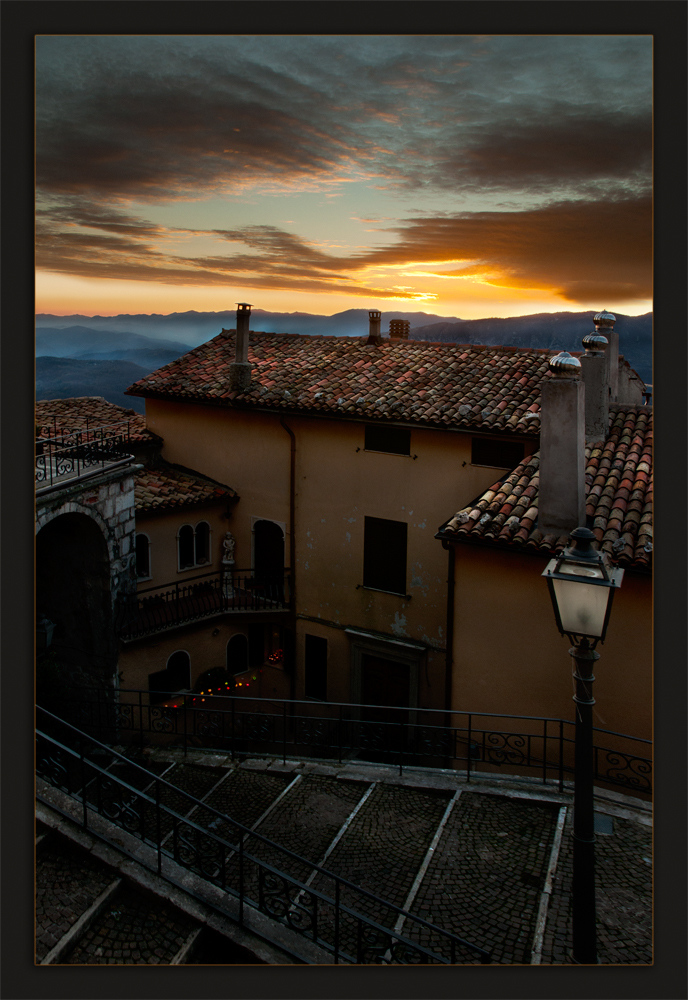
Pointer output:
x,y
135,928
68,883
487,873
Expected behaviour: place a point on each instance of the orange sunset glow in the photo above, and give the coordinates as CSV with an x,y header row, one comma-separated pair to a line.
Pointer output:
x,y
458,175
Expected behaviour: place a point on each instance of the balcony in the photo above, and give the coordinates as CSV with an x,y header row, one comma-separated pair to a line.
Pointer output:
x,y
240,591
63,458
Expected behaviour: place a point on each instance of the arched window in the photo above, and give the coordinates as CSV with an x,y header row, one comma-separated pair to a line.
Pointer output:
x,y
175,677
202,543
193,545
185,545
143,563
237,654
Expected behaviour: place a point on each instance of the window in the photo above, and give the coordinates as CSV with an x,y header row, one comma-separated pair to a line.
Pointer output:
x,y
501,454
394,440
193,545
384,555
315,668
237,654
202,543
175,677
142,544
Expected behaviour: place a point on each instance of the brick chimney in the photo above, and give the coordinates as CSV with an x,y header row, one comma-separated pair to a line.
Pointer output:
x,y
604,325
374,335
594,368
240,369
399,329
561,503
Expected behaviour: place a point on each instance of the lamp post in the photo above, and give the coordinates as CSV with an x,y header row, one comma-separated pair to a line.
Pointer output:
x,y
582,584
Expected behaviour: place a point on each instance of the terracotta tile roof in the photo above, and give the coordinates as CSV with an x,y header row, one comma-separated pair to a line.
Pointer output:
x,y
166,487
488,388
618,478
62,416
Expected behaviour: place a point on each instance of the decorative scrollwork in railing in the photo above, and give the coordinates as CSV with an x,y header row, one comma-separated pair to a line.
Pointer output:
x,y
622,769
505,748
52,766
254,726
374,945
403,953
373,736
206,723
278,897
202,854
434,742
124,716
162,720
312,732
118,804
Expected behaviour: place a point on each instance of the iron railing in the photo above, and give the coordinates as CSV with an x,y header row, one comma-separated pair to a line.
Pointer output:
x,y
156,608
475,742
349,922
77,454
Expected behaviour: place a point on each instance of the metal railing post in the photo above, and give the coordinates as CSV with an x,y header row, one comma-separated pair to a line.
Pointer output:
x,y
158,831
233,724
336,922
83,784
185,735
284,732
241,880
401,746
141,719
470,744
561,755
340,737
544,751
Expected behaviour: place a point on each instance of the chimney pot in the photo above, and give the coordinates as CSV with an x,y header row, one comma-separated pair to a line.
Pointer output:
x,y
561,502
240,370
374,336
594,344
399,329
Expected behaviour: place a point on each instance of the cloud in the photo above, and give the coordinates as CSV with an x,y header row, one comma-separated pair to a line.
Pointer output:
x,y
576,250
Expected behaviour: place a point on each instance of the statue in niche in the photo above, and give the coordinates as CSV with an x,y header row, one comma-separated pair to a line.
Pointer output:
x,y
228,549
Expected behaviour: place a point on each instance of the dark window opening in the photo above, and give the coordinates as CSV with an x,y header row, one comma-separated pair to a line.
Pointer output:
x,y
384,555
237,654
202,543
315,668
186,546
394,440
265,646
501,454
142,556
175,677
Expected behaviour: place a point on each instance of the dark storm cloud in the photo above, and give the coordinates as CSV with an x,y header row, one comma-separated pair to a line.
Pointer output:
x,y
159,118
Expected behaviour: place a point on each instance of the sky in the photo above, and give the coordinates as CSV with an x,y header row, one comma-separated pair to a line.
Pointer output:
x,y
468,176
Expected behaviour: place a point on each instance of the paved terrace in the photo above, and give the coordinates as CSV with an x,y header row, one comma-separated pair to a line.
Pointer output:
x,y
490,861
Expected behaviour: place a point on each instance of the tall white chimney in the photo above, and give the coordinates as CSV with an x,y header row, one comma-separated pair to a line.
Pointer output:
x,y
561,501
240,369
604,324
594,367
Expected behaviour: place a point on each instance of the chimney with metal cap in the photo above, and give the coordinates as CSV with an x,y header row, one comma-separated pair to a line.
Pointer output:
x,y
240,369
604,325
594,368
399,329
374,335
561,501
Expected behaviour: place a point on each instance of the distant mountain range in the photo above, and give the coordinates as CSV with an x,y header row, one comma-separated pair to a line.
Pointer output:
x,y
103,355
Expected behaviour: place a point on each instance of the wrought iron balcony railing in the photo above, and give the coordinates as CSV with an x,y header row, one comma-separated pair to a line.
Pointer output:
x,y
79,454
157,608
352,924
475,742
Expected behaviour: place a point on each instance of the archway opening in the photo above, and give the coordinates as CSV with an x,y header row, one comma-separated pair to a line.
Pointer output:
x,y
73,594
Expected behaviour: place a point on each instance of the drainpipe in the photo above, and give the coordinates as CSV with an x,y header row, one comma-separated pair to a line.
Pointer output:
x,y
292,551
449,655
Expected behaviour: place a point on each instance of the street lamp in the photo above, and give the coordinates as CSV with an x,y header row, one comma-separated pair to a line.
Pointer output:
x,y
582,584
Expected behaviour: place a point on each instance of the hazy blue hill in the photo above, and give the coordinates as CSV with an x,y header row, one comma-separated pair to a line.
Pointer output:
x,y
109,344
196,327
62,378
562,331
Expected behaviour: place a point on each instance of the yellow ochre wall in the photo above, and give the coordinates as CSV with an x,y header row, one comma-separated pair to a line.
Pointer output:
x,y
338,484
162,532
510,658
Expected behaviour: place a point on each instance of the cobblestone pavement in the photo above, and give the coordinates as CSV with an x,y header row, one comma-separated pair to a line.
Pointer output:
x,y
67,883
487,872
623,881
133,929
483,882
